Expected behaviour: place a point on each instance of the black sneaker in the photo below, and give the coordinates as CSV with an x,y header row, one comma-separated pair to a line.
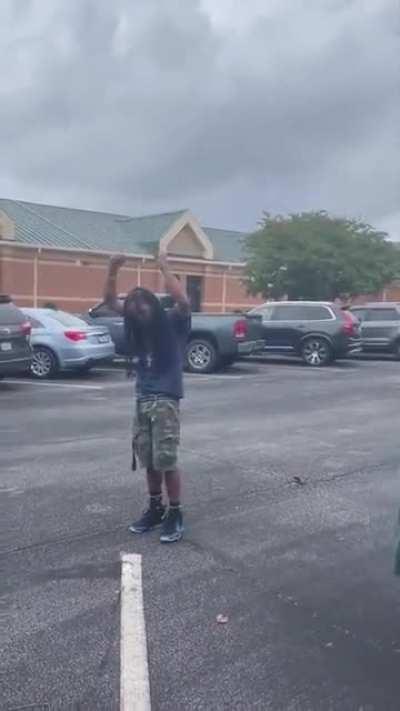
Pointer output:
x,y
172,527
150,519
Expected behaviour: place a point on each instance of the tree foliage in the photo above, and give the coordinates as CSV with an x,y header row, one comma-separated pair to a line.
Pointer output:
x,y
312,255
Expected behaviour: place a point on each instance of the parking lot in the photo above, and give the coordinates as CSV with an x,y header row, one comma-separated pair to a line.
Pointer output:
x,y
291,500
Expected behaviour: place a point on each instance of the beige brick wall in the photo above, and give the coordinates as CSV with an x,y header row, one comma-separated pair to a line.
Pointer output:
x,y
74,281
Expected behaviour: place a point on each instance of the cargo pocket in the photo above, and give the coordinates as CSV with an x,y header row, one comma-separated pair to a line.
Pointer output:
x,y
166,436
141,439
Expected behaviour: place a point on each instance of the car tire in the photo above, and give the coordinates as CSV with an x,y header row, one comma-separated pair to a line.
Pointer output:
x,y
44,363
396,350
316,352
201,356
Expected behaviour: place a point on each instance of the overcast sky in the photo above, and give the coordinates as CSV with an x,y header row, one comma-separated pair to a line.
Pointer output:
x,y
226,107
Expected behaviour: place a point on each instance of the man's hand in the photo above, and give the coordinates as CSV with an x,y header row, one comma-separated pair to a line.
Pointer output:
x,y
163,262
172,285
116,262
110,287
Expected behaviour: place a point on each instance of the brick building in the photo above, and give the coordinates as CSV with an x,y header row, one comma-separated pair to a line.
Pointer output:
x,y
59,255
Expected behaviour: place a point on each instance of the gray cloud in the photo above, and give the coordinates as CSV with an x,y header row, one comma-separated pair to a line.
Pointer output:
x,y
228,108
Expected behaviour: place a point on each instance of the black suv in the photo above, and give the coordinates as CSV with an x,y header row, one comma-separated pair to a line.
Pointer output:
x,y
380,327
317,332
15,349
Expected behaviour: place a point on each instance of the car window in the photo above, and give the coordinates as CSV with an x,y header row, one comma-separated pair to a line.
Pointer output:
x,y
34,322
10,314
383,315
264,311
289,312
102,311
359,313
67,319
316,313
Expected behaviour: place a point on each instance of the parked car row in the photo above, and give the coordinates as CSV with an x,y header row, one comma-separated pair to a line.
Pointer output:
x,y
215,340
44,342
47,341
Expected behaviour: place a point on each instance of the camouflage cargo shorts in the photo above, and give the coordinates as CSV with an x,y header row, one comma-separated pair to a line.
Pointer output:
x,y
156,433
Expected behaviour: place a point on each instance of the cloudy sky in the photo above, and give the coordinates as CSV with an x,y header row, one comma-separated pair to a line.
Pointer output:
x,y
228,107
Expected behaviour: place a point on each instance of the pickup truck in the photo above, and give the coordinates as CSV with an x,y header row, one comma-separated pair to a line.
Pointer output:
x,y
216,341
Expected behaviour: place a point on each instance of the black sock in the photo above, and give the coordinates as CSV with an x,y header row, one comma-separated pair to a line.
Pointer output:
x,y
174,504
156,500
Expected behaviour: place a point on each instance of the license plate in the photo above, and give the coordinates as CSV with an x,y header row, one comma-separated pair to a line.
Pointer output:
x,y
6,346
104,339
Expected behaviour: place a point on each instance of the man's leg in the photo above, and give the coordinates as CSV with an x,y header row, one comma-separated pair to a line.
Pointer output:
x,y
154,482
172,528
166,428
155,512
173,486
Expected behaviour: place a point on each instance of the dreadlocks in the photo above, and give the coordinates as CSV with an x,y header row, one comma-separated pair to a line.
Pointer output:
x,y
157,333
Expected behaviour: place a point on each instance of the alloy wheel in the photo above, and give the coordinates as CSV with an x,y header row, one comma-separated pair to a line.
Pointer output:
x,y
42,364
316,352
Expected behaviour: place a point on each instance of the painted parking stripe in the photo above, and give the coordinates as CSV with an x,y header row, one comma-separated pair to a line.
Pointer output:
x,y
75,386
134,679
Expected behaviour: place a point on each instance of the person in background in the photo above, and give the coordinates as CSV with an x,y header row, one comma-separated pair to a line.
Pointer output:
x,y
156,339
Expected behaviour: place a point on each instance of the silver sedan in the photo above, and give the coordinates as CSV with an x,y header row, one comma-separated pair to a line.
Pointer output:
x,y
61,341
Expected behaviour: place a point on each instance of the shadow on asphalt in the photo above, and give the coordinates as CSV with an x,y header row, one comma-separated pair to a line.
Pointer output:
x,y
350,362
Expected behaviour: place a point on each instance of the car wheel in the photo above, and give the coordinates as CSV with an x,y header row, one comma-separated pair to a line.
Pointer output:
x,y
316,352
201,356
397,350
44,363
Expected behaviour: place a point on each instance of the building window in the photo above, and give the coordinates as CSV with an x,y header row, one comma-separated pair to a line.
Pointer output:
x,y
194,288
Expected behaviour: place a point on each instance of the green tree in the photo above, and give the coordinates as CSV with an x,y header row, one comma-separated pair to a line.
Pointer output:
x,y
312,255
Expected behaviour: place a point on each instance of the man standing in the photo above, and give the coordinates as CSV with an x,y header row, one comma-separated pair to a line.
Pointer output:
x,y
156,338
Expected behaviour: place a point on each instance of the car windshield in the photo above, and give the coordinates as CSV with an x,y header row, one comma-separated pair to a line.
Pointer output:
x,y
67,320
10,314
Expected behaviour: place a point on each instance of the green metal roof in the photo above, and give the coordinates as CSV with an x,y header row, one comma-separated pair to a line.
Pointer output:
x,y
228,244
68,228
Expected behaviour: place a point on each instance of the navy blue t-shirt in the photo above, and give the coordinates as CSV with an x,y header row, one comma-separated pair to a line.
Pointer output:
x,y
170,381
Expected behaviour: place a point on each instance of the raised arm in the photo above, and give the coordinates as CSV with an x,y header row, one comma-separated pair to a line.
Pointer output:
x,y
173,286
110,287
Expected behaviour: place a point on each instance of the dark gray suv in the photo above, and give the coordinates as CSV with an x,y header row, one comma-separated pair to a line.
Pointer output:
x,y
380,327
318,332
15,349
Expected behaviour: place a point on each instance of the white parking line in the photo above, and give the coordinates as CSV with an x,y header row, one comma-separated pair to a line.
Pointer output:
x,y
134,679
75,386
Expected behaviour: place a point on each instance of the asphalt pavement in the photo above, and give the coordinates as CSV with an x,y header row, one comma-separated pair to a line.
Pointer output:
x,y
291,490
